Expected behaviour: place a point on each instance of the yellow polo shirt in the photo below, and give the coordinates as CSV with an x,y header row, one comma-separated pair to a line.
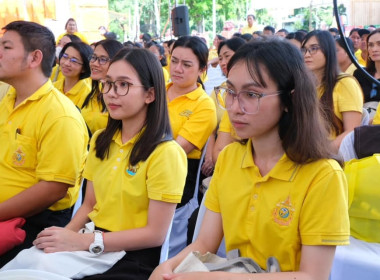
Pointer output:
x,y
56,74
4,87
358,55
193,117
79,35
376,118
347,96
166,76
351,69
274,215
123,191
93,115
247,29
78,93
43,139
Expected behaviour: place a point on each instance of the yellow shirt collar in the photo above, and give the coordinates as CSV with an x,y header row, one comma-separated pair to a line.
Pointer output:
x,y
285,169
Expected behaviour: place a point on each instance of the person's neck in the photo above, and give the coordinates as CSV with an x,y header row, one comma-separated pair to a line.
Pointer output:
x,y
130,128
267,150
344,66
175,90
69,83
319,76
27,85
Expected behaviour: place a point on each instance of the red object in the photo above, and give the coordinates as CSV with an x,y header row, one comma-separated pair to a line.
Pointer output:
x,y
11,234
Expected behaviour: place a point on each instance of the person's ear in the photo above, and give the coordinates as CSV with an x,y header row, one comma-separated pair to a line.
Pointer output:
x,y
35,58
150,96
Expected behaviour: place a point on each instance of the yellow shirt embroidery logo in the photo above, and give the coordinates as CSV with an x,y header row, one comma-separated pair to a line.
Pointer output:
x,y
186,113
132,170
18,157
283,212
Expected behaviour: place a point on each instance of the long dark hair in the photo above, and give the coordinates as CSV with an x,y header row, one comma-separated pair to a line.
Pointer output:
x,y
330,76
370,65
111,47
301,128
198,47
85,52
157,125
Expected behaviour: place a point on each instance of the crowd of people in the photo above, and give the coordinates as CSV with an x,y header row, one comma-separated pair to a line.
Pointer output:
x,y
130,125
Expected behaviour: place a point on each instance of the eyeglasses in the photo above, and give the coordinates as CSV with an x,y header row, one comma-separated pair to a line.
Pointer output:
x,y
120,87
312,50
66,57
249,101
102,59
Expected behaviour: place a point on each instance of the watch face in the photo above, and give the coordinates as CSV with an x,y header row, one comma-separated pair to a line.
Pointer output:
x,y
97,249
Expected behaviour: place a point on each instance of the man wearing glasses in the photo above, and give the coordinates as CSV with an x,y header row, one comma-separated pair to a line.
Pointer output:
x,y
43,137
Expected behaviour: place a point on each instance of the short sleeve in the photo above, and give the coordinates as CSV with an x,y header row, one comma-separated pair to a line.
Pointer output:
x,y
349,95
326,201
63,150
166,173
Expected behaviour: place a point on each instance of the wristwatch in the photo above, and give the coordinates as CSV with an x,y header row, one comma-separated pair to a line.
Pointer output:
x,y
97,247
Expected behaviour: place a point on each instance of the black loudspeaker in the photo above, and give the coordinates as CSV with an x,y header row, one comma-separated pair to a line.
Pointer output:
x,y
180,21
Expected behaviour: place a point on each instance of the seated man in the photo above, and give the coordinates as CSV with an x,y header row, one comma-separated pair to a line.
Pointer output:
x,y
43,136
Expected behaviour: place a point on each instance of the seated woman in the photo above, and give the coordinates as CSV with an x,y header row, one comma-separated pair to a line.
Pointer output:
x,y
370,89
135,172
94,109
340,94
267,194
75,67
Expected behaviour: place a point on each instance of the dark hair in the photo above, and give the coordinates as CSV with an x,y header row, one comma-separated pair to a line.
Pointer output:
x,y
298,35
363,31
170,42
330,75
67,22
220,37
111,47
251,15
283,30
85,52
301,118
157,119
333,29
270,28
354,30
370,65
198,47
73,38
160,49
36,37
350,44
233,44
247,37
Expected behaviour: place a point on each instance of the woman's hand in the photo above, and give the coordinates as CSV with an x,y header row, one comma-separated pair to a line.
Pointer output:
x,y
160,271
208,166
57,239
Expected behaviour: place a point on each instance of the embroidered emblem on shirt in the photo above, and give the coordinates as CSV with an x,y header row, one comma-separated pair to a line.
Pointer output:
x,y
132,169
283,212
18,157
186,113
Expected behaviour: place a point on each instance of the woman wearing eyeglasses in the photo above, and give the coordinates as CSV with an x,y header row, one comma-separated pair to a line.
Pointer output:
x,y
192,118
340,94
136,174
94,110
74,65
278,193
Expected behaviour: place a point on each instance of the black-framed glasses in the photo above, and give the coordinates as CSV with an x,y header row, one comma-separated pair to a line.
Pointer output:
x,y
102,59
312,50
66,57
249,101
120,87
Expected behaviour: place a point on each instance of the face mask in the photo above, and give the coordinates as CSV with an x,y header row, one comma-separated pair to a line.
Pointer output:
x,y
57,51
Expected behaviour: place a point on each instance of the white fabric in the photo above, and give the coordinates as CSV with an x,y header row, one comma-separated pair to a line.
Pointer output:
x,y
346,149
358,261
74,265
28,274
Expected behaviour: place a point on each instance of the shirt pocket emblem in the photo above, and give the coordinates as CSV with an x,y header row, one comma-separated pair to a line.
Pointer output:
x,y
283,212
